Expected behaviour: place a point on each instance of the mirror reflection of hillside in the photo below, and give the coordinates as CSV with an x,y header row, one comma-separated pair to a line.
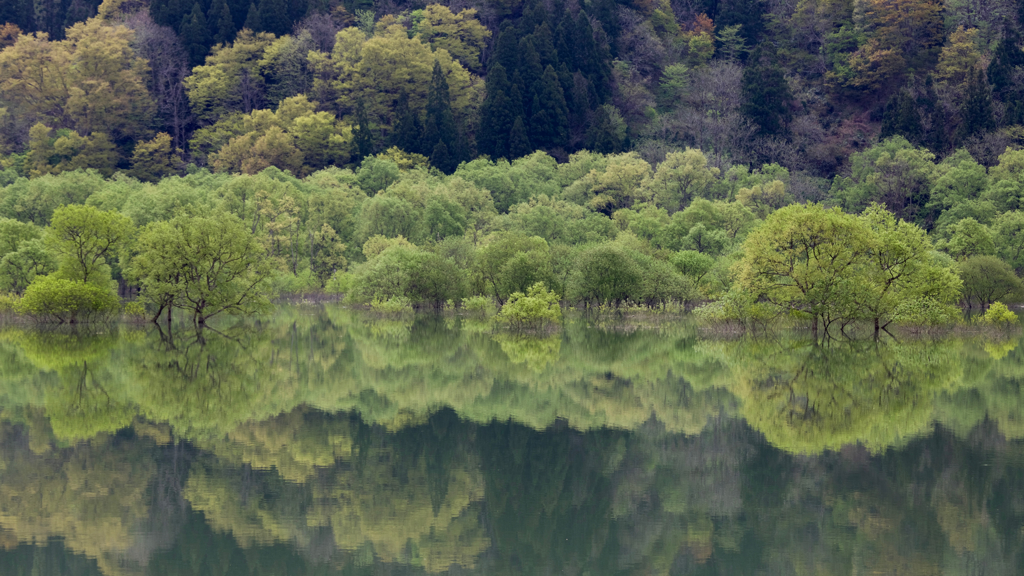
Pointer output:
x,y
325,442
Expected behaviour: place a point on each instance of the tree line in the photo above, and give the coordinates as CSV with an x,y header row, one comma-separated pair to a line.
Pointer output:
x,y
150,87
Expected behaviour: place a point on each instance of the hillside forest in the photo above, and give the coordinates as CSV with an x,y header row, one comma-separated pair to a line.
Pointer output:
x,y
644,152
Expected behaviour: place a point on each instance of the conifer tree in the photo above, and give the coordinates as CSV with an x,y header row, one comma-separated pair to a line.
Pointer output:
x,y
274,17
408,134
495,115
222,23
976,112
766,93
362,136
549,125
543,41
591,59
518,140
1007,56
440,123
601,134
506,51
530,72
901,117
515,97
442,160
195,35
252,19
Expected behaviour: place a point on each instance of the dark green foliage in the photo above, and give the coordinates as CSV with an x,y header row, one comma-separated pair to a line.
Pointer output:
x,y
601,134
529,74
519,140
274,16
495,115
439,127
195,35
902,118
252,19
408,134
222,23
442,159
549,125
506,51
976,112
766,96
362,134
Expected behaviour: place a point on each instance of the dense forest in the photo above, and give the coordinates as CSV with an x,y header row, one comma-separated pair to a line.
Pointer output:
x,y
423,154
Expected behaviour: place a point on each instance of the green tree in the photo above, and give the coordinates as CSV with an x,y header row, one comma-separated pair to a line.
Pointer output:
x,y
83,238
549,124
808,259
439,127
195,34
67,301
604,274
976,112
203,265
539,306
766,96
988,279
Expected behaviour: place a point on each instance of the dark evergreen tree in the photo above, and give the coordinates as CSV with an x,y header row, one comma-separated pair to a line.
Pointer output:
x,y
901,117
77,11
495,115
252,19
549,125
543,42
1006,57
362,135
518,140
274,17
606,12
937,137
564,42
530,72
976,113
592,60
506,51
167,13
195,35
515,99
408,134
439,126
442,160
766,95
222,23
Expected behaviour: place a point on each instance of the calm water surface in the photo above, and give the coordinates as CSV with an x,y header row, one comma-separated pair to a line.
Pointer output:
x,y
323,442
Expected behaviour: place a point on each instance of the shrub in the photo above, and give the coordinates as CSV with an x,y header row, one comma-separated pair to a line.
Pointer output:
x,y
134,309
998,315
537,308
63,300
396,305
340,283
8,302
926,312
480,305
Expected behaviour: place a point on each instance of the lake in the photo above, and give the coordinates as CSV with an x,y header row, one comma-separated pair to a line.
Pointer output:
x,y
322,441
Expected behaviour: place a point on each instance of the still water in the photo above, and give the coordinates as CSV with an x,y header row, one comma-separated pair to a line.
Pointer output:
x,y
324,442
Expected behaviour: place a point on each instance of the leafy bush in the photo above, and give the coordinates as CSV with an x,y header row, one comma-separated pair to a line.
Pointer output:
x,y
481,305
66,300
396,305
8,302
340,283
537,308
926,312
998,315
134,309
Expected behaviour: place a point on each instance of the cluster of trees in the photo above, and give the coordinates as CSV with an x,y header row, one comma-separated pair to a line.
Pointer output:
x,y
916,236
155,455
149,87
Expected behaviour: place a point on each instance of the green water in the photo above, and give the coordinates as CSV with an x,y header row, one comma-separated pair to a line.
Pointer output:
x,y
323,442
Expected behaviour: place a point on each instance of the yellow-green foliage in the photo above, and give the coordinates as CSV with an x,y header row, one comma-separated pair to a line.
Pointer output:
x,y
65,300
535,309
8,302
999,315
396,305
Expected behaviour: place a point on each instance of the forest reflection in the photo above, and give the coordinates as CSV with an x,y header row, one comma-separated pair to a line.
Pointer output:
x,y
321,441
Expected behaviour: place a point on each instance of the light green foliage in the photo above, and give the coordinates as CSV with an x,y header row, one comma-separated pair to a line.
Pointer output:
x,y
615,185
19,268
998,315
604,274
988,279
389,216
535,309
894,173
84,238
1008,229
970,238
328,254
402,270
681,178
154,159
460,34
215,88
35,200
692,264
67,301
1007,181
204,265
513,262
479,305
